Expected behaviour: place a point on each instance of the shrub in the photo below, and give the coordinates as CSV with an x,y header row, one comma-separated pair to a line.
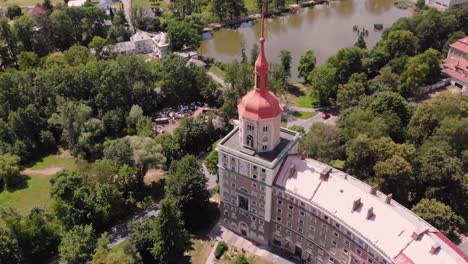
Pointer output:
x,y
220,249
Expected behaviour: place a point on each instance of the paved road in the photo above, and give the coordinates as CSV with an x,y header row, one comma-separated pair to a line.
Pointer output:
x,y
307,123
211,178
128,12
216,79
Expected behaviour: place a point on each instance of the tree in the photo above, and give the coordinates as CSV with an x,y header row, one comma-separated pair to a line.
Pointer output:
x,y
361,42
306,65
98,43
286,58
254,54
77,55
240,259
220,8
10,252
323,81
78,245
9,170
400,43
346,62
420,4
322,142
358,121
118,151
440,216
27,60
350,94
13,11
395,175
102,171
182,35
391,103
441,177
37,234
80,130
8,48
47,5
236,8
171,238
146,153
211,162
186,185
386,81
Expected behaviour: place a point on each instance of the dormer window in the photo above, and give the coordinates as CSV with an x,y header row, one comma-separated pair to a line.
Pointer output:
x,y
257,84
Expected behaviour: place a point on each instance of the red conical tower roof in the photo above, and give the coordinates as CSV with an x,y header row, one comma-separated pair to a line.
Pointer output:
x,y
260,103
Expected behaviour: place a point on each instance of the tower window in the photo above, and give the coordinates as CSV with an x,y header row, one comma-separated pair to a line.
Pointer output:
x,y
264,147
265,129
250,127
243,203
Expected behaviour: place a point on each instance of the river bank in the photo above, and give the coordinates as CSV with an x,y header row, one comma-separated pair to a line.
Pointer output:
x,y
324,28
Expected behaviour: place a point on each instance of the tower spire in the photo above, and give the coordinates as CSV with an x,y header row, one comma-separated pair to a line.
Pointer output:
x,y
261,65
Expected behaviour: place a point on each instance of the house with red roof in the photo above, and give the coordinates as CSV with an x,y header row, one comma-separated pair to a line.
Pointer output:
x,y
456,64
36,10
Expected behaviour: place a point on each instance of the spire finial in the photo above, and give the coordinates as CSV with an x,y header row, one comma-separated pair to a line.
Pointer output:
x,y
263,19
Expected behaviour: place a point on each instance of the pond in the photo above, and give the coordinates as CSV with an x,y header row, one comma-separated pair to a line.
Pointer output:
x,y
323,28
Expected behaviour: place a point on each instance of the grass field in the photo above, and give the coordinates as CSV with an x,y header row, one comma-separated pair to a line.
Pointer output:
x,y
217,71
37,194
298,95
37,191
55,161
303,114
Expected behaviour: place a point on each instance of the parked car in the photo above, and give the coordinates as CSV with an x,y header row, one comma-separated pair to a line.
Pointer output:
x,y
326,115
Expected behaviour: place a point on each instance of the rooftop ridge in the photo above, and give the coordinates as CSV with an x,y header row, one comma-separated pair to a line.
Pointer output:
x,y
379,197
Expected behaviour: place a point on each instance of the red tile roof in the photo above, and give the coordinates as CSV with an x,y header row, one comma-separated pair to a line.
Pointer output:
x,y
461,44
37,10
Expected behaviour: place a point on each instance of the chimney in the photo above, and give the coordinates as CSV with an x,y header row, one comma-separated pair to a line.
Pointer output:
x,y
356,204
417,234
370,213
325,173
388,199
435,248
374,189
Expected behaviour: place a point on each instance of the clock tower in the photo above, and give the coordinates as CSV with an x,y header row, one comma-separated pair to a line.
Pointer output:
x,y
251,155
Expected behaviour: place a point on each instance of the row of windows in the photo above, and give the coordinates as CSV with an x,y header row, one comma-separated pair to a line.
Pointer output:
x,y
251,128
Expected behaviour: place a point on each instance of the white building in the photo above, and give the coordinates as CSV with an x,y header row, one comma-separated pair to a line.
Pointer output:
x,y
143,43
446,4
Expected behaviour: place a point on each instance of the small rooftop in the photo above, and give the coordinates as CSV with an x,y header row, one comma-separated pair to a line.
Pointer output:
x,y
386,225
287,139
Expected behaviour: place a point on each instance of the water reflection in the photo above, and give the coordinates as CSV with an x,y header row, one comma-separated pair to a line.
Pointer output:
x,y
323,28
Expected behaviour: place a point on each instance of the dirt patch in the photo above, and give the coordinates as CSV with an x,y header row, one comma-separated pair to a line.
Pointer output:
x,y
43,172
154,175
64,153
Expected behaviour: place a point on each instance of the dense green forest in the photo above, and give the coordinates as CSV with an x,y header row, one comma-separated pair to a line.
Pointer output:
x,y
55,92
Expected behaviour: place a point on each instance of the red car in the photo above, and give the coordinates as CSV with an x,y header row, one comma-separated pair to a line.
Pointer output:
x,y
326,115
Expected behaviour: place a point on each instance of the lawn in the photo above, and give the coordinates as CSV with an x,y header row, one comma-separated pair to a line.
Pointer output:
x,y
144,3
120,247
298,96
200,250
303,114
37,191
217,71
56,161
37,194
